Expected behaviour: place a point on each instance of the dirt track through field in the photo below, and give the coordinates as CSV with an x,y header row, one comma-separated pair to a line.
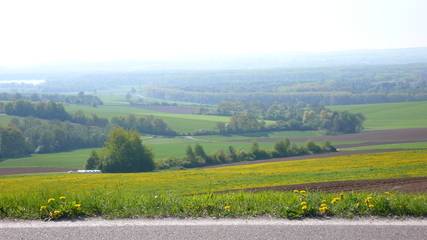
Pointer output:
x,y
410,185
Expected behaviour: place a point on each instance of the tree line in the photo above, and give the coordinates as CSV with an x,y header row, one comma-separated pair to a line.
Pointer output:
x,y
197,157
149,125
326,86
245,118
29,135
51,111
44,136
55,111
81,98
124,151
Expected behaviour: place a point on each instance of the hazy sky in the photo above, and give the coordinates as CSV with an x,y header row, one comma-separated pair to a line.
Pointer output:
x,y
38,32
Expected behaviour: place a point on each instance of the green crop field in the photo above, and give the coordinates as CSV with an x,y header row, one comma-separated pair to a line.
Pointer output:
x,y
390,115
171,193
69,160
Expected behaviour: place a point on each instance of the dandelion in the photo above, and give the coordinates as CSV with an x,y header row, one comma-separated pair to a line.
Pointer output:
x,y
323,208
227,208
296,191
302,192
56,214
335,200
50,200
43,208
368,201
304,207
77,206
371,206
62,198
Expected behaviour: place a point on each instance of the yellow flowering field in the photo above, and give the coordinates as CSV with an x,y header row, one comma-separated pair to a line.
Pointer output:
x,y
111,191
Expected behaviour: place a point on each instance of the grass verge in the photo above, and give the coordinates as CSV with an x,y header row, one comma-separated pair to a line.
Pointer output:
x,y
291,205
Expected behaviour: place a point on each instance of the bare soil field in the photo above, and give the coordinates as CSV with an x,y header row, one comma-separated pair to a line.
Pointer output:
x,y
375,137
410,185
23,170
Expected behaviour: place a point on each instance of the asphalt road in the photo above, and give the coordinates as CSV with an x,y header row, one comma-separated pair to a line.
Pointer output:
x,y
207,229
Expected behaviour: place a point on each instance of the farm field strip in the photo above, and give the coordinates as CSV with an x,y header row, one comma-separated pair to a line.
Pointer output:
x,y
178,122
390,115
352,167
197,192
164,147
402,146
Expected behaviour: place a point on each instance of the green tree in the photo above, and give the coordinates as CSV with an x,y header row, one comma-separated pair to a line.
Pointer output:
x,y
281,148
93,161
124,152
200,153
12,143
259,153
313,147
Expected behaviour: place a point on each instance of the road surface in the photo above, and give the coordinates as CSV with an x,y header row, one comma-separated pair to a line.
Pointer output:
x,y
208,229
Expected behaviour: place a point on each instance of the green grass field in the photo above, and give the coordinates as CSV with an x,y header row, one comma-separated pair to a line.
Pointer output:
x,y
390,115
4,119
171,193
69,160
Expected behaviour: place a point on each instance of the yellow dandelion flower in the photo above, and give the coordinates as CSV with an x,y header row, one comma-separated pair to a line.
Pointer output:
x,y
56,214
227,208
304,207
302,192
62,198
303,203
51,200
323,210
370,206
296,191
323,205
43,208
77,206
335,200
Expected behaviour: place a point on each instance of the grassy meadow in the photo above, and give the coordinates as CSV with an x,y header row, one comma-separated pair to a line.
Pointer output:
x,y
183,192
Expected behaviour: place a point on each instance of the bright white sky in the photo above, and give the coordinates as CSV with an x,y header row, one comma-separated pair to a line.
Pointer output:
x,y
43,31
